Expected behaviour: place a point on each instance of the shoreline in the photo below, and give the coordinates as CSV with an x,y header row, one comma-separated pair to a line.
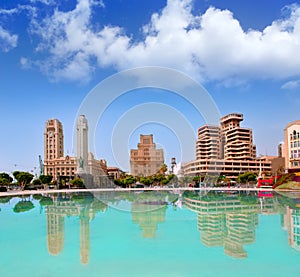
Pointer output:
x,y
50,191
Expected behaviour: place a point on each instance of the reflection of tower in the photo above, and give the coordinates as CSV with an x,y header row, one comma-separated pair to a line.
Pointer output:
x,y
148,216
82,144
55,222
55,231
84,239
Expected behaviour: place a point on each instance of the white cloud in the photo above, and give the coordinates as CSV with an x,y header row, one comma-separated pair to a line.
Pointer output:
x,y
7,40
290,85
8,12
46,2
208,46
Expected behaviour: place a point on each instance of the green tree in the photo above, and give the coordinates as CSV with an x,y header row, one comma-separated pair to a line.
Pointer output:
x,y
23,178
77,182
4,182
247,177
46,179
147,181
129,180
36,182
6,176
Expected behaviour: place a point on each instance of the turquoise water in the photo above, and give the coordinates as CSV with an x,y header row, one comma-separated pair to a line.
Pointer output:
x,y
150,234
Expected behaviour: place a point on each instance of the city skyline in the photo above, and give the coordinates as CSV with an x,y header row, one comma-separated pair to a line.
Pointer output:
x,y
56,52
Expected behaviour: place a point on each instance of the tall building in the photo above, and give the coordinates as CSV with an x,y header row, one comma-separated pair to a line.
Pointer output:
x,y
226,149
55,163
65,168
53,140
208,145
146,160
291,149
237,142
82,144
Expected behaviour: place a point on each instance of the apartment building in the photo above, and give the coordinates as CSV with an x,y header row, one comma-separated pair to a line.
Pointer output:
x,y
226,149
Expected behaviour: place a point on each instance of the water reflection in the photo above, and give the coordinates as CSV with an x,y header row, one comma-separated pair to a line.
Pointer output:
x,y
147,209
230,220
291,217
84,206
148,216
227,220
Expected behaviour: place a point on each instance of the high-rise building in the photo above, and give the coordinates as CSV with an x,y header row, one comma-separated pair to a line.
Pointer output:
x,y
65,168
237,141
53,140
227,150
55,163
208,145
291,149
82,144
146,160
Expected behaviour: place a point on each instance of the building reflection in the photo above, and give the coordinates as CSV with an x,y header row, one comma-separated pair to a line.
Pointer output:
x,y
223,220
148,216
228,220
84,207
291,218
148,210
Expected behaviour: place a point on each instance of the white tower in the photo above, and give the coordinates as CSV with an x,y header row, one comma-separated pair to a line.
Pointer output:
x,y
82,145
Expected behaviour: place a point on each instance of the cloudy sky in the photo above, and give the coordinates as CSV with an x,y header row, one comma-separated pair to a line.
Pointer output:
x,y
53,53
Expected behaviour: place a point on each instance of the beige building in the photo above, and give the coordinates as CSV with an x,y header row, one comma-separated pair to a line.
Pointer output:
x,y
55,163
227,150
66,167
291,147
114,172
146,160
208,145
237,142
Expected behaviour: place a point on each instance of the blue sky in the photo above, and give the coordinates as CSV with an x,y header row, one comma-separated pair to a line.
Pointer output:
x,y
53,53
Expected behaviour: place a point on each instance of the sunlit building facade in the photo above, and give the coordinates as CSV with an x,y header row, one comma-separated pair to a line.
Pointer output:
x,y
146,159
67,167
55,163
291,147
226,149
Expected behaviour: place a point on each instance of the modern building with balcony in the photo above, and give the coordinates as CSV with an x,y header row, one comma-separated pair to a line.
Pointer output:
x,y
226,150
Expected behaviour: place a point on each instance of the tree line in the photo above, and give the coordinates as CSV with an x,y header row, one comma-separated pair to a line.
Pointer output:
x,y
25,180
